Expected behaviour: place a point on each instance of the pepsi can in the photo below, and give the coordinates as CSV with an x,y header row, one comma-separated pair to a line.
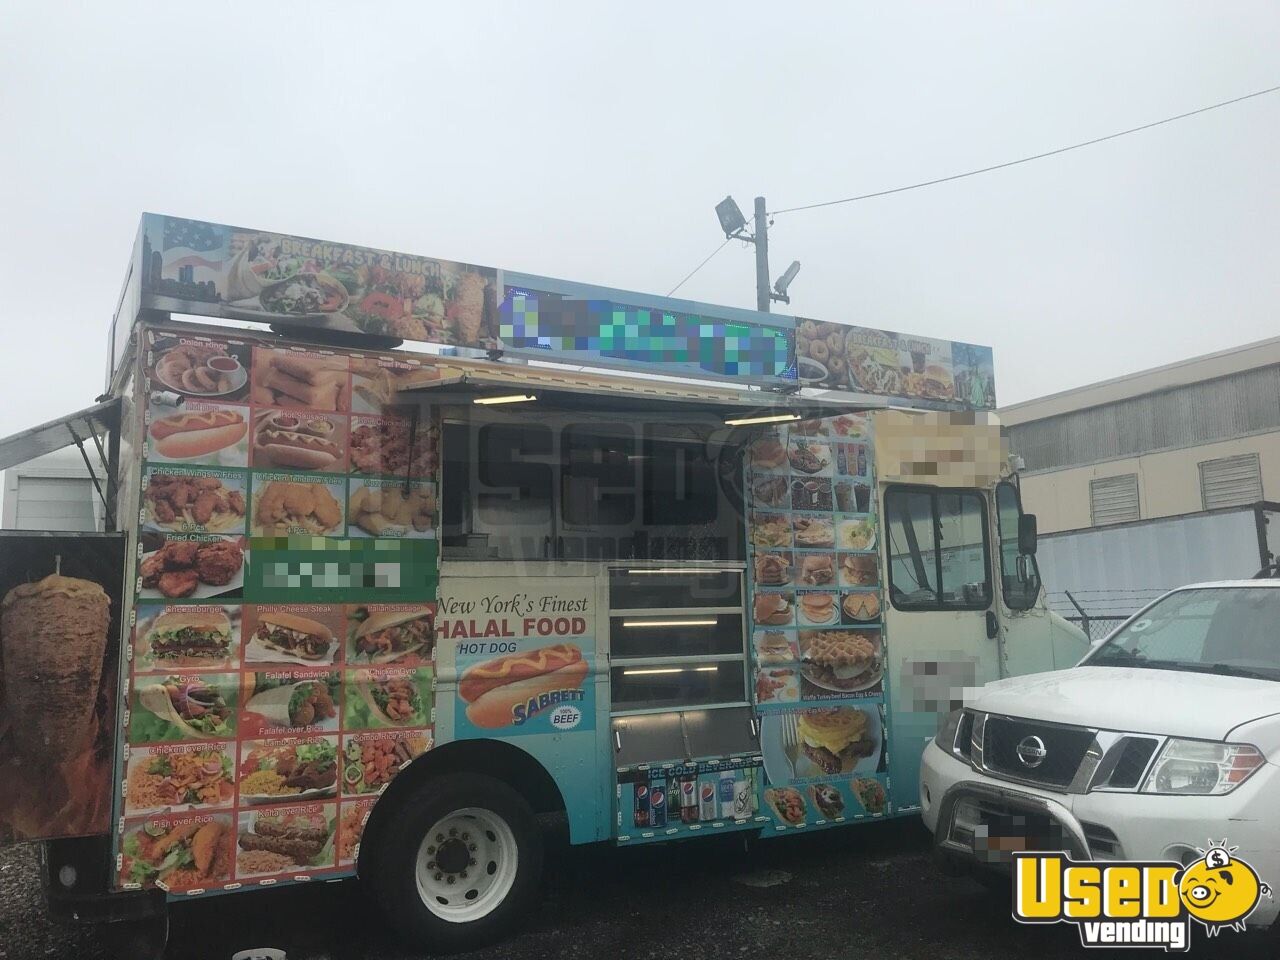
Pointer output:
x,y
708,807
658,803
689,800
640,815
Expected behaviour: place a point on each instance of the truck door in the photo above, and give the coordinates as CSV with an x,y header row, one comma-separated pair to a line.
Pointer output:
x,y
937,558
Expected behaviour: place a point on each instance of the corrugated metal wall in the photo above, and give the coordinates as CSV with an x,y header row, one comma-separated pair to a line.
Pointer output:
x,y
1113,571
1246,402
55,503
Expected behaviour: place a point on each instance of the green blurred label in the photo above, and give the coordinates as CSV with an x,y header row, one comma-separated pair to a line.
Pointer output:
x,y
306,569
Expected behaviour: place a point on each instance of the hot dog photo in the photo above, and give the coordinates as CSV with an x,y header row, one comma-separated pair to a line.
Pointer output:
x,y
513,690
198,432
288,439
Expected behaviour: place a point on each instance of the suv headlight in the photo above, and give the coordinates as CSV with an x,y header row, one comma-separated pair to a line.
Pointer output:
x,y
946,737
1202,768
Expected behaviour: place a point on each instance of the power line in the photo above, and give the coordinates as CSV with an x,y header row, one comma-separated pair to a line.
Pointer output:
x,y
705,261
974,173
1038,156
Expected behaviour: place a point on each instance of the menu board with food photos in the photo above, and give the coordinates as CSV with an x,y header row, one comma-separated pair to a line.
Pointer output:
x,y
280,664
817,634
216,270
927,373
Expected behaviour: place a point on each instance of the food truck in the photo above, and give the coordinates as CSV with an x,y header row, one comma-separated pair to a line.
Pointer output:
x,y
402,553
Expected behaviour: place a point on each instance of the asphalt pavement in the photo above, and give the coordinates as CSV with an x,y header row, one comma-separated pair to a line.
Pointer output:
x,y
869,891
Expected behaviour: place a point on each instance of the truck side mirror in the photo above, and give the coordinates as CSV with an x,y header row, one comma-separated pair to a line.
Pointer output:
x,y
1027,534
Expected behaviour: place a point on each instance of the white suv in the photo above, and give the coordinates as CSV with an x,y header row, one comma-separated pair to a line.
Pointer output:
x,y
1164,737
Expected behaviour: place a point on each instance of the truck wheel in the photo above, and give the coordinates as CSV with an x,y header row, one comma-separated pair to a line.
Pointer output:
x,y
459,864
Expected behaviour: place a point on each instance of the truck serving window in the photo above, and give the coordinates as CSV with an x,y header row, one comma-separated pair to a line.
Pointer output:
x,y
938,549
1019,575
677,639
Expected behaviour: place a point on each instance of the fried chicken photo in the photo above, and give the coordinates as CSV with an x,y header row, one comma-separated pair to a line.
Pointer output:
x,y
204,501
217,562
180,566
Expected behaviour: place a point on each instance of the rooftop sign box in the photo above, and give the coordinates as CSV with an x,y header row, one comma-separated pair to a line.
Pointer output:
x,y
214,270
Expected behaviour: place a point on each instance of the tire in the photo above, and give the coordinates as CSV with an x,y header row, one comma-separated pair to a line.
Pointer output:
x,y
423,845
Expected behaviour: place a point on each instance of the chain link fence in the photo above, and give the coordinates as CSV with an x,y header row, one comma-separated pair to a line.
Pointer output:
x,y
1097,627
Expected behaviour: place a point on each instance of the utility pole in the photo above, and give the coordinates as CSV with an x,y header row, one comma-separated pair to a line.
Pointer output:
x,y
763,296
734,225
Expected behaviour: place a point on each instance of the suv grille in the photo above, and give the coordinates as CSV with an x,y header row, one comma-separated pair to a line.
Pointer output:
x,y
1064,749
1134,756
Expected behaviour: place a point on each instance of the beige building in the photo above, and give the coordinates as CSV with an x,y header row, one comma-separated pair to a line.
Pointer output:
x,y
1192,436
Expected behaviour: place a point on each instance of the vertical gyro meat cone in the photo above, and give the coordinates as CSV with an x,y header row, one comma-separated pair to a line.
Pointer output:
x,y
53,636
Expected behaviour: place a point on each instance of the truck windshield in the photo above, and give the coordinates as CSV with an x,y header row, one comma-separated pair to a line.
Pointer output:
x,y
1228,630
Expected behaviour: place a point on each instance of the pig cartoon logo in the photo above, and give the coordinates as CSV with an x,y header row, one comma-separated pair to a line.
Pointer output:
x,y
1220,890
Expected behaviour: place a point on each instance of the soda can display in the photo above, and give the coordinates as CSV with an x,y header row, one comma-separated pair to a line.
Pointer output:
x,y
658,803
640,810
727,779
708,808
742,795
689,800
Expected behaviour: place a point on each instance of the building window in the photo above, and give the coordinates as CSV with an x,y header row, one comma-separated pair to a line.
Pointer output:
x,y
1230,481
1114,499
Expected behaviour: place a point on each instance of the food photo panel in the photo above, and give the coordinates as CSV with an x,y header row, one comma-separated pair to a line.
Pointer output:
x,y
183,707
295,839
278,703
399,444
301,379
390,634
822,743
198,637
191,566
177,777
299,440
371,760
299,635
291,504
288,770
194,500
385,697
177,852
199,368
809,457
386,507
198,432
840,663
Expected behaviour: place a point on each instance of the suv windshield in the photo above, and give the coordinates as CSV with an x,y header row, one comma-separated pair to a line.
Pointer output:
x,y
1228,630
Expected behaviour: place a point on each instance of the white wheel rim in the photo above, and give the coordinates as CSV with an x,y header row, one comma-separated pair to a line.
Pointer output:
x,y
462,892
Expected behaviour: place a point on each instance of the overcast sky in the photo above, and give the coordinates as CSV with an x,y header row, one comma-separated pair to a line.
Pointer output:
x,y
591,141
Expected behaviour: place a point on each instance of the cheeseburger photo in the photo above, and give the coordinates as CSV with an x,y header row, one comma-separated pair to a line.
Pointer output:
x,y
511,690
835,739
188,637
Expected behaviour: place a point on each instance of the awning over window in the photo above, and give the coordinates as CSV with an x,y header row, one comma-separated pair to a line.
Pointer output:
x,y
458,382
74,428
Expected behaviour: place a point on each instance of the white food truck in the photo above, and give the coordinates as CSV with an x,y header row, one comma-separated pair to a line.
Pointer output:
x,y
672,569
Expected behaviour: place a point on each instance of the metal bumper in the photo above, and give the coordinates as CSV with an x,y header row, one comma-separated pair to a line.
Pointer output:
x,y
959,837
